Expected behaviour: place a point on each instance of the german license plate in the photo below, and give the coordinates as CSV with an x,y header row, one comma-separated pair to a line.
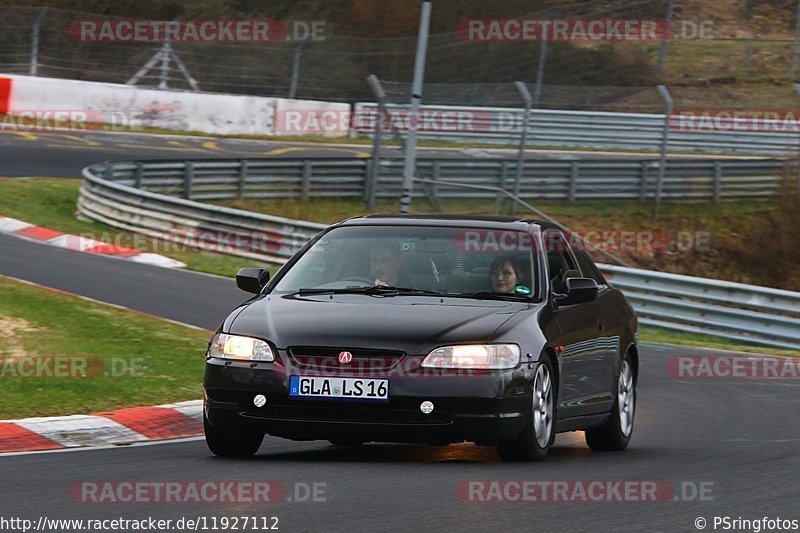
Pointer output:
x,y
339,388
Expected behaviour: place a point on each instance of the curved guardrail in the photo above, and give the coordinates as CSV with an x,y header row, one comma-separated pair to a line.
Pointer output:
x,y
109,194
541,179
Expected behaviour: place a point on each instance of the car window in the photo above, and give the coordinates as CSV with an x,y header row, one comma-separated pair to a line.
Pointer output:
x,y
441,260
561,264
588,268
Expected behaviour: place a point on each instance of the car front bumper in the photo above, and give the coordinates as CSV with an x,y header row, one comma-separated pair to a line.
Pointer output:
x,y
479,408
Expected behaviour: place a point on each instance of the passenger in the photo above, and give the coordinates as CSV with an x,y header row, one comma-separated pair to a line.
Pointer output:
x,y
386,259
505,275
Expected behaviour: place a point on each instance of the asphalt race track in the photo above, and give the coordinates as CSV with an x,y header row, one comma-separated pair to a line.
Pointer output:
x,y
727,447
60,154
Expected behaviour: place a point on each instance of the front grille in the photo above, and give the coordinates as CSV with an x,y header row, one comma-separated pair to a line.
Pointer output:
x,y
324,359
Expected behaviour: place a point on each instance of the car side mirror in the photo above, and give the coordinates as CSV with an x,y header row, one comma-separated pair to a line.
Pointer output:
x,y
579,290
252,279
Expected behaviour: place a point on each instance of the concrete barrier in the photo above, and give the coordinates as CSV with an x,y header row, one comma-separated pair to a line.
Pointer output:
x,y
82,104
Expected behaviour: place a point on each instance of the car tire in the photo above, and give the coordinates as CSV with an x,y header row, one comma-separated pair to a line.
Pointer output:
x,y
616,433
540,430
230,443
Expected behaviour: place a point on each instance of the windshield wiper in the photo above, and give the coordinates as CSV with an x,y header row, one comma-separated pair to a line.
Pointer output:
x,y
489,295
379,290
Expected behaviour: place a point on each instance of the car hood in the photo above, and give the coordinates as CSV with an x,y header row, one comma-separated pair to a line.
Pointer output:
x,y
413,324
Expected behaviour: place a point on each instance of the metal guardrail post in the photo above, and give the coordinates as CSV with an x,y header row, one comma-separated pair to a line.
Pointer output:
x,y
662,167
242,178
717,181
573,180
188,178
137,179
526,97
305,184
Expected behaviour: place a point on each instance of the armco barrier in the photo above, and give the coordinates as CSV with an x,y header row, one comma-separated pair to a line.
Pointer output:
x,y
744,313
587,129
547,179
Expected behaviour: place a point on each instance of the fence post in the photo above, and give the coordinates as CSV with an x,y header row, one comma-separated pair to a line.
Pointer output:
x,y
188,178
662,167
163,76
410,152
37,22
662,51
537,92
377,143
242,178
523,140
298,48
717,181
797,90
137,181
305,184
796,47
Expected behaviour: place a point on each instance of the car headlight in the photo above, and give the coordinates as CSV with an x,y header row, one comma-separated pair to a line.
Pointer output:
x,y
224,346
477,356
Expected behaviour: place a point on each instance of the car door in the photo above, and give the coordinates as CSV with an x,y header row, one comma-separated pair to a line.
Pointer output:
x,y
584,348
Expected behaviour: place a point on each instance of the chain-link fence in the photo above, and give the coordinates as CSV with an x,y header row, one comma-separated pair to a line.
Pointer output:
x,y
704,46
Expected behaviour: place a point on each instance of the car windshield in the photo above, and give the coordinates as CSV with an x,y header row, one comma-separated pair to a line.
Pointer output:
x,y
394,260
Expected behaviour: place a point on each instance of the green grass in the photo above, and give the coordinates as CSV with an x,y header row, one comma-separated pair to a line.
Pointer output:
x,y
648,334
167,359
608,215
51,203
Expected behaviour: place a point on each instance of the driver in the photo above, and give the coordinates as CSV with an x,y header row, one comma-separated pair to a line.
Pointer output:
x,y
385,260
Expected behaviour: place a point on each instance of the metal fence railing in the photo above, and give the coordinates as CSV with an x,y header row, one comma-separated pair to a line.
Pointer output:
x,y
743,313
597,129
546,179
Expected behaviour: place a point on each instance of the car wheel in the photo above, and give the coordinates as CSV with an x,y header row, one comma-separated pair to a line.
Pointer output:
x,y
540,431
228,443
615,434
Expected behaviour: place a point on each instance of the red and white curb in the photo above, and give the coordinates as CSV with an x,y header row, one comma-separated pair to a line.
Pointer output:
x,y
123,426
75,243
